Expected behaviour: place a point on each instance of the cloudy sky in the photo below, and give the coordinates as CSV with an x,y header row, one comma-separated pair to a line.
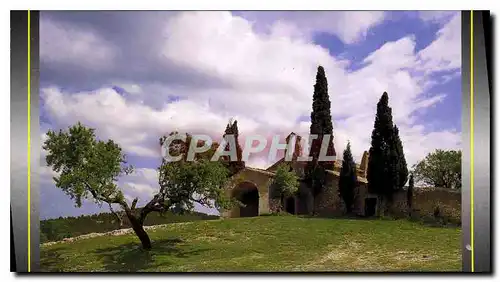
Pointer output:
x,y
135,76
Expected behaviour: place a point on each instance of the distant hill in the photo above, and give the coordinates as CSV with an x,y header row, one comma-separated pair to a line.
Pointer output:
x,y
66,227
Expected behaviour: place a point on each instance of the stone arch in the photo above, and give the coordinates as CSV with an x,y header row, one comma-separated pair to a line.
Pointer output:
x,y
248,194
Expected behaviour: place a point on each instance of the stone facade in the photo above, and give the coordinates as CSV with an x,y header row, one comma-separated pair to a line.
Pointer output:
x,y
329,203
257,179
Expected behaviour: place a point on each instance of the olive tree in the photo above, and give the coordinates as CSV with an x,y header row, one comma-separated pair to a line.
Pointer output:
x,y
90,169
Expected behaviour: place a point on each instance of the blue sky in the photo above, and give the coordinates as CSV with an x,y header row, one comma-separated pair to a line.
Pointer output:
x,y
134,76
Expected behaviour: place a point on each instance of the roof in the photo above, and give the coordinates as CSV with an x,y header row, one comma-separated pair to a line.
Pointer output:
x,y
360,179
269,173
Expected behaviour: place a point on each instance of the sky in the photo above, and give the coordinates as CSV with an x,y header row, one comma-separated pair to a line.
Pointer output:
x,y
135,76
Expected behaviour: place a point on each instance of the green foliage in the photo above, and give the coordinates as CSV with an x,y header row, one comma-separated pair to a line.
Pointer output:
x,y
441,169
321,118
184,183
202,181
401,165
285,182
347,179
66,227
87,168
387,168
317,180
378,158
321,124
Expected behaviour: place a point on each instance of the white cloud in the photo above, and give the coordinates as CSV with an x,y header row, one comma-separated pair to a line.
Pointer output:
x,y
130,88
436,16
350,27
70,44
142,183
267,83
261,163
43,138
353,26
143,189
444,53
131,124
47,174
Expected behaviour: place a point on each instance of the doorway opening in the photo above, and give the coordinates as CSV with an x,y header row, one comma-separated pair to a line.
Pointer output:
x,y
248,194
370,206
290,205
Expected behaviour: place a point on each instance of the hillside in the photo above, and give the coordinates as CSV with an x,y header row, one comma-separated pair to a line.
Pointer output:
x,y
267,243
65,227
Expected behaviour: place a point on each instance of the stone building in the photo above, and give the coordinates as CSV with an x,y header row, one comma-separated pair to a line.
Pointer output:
x,y
253,188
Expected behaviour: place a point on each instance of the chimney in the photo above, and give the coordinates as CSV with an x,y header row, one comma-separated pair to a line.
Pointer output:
x,y
297,146
364,164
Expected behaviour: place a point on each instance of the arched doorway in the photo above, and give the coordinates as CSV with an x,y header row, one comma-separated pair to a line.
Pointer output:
x,y
248,194
290,205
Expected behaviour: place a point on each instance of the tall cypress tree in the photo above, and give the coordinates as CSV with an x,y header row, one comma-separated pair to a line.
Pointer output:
x,y
401,160
321,124
321,118
379,156
387,168
234,166
347,179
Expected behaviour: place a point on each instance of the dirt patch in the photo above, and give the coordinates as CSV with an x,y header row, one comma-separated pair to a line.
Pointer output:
x,y
333,256
249,257
413,257
375,260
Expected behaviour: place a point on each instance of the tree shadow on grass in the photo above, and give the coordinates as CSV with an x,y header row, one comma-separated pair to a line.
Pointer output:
x,y
131,257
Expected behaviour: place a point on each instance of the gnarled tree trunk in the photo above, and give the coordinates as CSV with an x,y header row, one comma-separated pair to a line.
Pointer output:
x,y
138,223
138,228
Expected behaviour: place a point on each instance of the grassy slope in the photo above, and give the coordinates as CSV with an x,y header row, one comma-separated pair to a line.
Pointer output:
x,y
272,243
59,228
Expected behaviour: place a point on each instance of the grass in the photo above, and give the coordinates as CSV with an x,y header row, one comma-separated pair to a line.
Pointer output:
x,y
267,244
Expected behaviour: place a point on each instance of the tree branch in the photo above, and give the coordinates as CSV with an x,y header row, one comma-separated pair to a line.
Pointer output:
x,y
120,221
134,203
156,204
202,201
98,197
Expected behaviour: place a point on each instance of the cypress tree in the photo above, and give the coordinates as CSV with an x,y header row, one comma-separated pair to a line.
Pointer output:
x,y
321,118
321,124
392,173
379,156
387,169
347,179
401,160
234,166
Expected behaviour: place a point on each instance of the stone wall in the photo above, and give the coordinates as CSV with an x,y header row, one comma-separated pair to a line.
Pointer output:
x,y
425,201
305,200
329,202
261,179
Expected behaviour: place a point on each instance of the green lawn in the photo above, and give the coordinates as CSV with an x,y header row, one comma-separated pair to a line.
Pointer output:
x,y
267,243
